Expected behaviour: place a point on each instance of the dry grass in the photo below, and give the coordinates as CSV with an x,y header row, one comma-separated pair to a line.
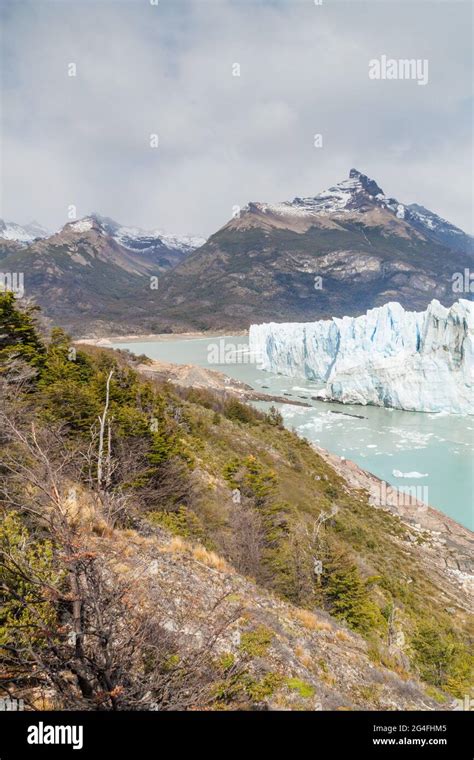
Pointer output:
x,y
102,529
41,702
121,568
304,657
128,532
310,621
342,636
211,559
178,545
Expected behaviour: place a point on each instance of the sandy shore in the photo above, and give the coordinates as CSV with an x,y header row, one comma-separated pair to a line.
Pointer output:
x,y
192,376
107,342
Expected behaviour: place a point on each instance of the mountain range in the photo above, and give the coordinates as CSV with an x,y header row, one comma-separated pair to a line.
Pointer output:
x,y
346,250
341,252
22,234
93,272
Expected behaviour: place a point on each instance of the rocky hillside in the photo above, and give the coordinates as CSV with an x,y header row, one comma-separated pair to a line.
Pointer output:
x,y
169,547
269,653
346,250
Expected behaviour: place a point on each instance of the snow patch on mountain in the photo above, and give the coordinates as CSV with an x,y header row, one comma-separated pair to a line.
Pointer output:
x,y
358,194
417,361
447,232
133,237
83,225
22,233
136,239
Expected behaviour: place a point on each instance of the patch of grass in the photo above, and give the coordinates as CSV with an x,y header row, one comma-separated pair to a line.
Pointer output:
x,y
304,689
256,643
260,690
342,636
369,693
211,559
435,694
226,661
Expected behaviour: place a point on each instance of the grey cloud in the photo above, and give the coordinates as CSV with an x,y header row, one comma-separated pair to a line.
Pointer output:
x,y
225,140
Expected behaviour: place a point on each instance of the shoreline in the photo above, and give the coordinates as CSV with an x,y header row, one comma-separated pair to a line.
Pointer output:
x,y
446,544
189,375
193,376
108,341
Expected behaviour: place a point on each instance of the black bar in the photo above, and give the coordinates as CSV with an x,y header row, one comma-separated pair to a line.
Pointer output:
x,y
140,735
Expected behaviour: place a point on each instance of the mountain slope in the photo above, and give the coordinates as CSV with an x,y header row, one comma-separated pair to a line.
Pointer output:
x,y
217,558
365,247
156,246
94,271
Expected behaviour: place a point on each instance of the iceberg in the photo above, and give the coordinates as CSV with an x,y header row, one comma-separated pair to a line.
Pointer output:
x,y
416,361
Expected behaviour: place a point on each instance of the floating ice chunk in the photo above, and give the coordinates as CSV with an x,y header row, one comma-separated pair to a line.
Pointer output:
x,y
414,474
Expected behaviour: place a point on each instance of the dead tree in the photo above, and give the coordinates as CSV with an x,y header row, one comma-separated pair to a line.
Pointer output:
x,y
103,460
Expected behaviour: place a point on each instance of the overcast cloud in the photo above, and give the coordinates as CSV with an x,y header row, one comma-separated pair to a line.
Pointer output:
x,y
225,140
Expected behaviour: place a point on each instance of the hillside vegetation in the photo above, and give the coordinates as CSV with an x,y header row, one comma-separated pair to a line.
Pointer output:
x,y
165,548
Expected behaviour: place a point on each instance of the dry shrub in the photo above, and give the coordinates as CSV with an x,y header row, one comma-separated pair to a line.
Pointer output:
x,y
178,545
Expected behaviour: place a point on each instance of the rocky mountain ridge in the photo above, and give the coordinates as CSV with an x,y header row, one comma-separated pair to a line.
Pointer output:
x,y
339,253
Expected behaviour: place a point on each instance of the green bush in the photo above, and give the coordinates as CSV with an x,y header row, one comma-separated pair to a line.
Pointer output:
x,y
348,595
27,572
443,660
256,643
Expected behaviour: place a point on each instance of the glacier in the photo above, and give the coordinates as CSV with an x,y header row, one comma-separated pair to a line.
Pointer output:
x,y
415,361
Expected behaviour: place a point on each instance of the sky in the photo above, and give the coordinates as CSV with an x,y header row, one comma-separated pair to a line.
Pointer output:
x,y
224,140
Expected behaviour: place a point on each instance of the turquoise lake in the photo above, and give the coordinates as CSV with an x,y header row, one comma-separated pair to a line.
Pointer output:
x,y
406,449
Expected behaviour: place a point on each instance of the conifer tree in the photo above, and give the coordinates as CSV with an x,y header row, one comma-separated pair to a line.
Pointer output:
x,y
19,336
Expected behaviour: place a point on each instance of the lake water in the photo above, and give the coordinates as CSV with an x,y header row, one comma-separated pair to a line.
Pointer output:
x,y
432,452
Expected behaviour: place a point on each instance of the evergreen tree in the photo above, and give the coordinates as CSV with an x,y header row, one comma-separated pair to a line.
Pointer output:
x,y
348,596
18,333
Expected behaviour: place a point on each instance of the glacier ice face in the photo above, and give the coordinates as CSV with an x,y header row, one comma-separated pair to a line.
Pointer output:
x,y
417,361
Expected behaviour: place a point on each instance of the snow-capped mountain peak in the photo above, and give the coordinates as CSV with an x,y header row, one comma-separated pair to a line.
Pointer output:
x,y
82,225
357,195
134,238
348,195
25,233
